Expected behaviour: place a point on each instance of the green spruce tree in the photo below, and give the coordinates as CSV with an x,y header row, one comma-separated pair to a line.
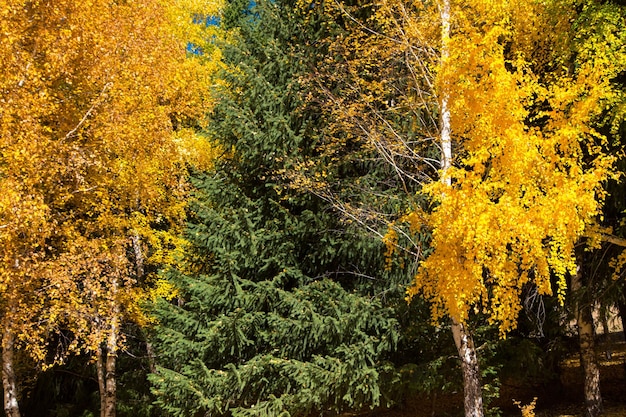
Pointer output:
x,y
271,317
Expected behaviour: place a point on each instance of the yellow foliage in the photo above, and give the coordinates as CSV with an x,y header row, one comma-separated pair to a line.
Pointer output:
x,y
197,149
163,289
527,410
96,100
618,264
526,182
390,239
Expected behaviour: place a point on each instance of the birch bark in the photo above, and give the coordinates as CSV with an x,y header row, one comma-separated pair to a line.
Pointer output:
x,y
472,389
107,358
472,394
111,359
100,358
11,407
588,358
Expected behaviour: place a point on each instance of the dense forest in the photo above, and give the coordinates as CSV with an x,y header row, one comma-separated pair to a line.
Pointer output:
x,y
274,208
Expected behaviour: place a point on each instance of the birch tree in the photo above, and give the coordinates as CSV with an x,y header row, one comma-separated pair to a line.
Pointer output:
x,y
89,164
514,110
526,146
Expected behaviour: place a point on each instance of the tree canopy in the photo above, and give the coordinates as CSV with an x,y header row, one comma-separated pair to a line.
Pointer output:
x,y
248,192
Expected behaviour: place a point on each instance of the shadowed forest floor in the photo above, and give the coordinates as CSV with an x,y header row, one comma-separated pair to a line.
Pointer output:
x,y
567,399
561,398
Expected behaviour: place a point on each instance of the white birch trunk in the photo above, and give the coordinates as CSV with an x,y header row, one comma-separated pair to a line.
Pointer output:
x,y
472,389
588,358
100,359
107,358
446,129
472,392
11,407
140,271
139,258
110,376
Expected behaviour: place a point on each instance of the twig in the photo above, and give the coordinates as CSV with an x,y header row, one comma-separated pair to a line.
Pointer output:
x,y
88,113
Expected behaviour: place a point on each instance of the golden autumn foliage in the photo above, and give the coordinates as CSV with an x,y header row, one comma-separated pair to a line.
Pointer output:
x,y
523,88
99,101
524,84
527,171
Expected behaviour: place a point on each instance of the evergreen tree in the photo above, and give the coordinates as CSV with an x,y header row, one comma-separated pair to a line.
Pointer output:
x,y
270,319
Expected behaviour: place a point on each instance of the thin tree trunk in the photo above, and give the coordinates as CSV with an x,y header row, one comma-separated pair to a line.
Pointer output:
x,y
151,357
100,360
139,258
11,407
621,305
110,375
140,270
472,392
106,361
588,358
446,127
107,357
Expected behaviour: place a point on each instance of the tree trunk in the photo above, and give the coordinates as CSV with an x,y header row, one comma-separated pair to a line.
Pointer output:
x,y
110,375
588,358
107,357
621,305
472,392
11,407
110,378
622,315
100,360
106,360
139,258
150,353
140,270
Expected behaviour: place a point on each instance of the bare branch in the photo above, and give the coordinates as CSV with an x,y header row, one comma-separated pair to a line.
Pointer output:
x,y
614,240
88,113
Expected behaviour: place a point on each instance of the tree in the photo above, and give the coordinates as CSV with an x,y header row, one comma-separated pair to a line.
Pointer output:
x,y
598,39
268,319
526,145
514,114
90,169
